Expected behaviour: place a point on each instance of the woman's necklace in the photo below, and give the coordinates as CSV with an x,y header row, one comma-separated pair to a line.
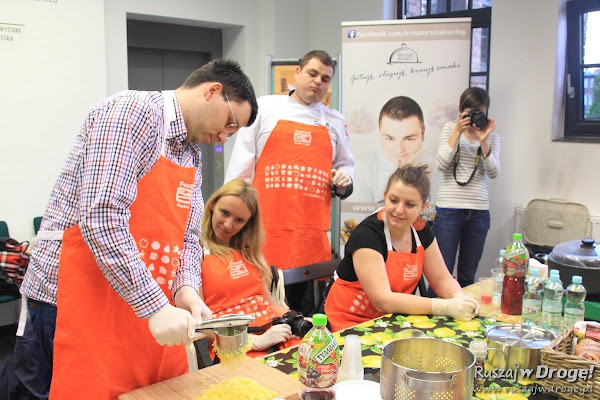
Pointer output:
x,y
404,244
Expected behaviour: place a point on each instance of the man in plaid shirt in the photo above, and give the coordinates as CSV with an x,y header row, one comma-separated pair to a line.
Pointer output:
x,y
112,285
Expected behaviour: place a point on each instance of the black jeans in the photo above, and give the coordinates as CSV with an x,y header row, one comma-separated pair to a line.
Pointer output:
x,y
27,372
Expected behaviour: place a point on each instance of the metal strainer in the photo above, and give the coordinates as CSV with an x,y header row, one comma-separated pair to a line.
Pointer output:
x,y
231,334
426,369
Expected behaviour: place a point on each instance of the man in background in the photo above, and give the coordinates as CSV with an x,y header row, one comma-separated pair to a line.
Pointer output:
x,y
401,136
292,154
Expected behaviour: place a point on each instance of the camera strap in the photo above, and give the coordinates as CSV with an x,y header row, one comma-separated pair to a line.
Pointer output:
x,y
457,157
260,329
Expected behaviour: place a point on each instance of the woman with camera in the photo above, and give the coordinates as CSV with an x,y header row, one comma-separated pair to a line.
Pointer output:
x,y
386,256
468,154
235,276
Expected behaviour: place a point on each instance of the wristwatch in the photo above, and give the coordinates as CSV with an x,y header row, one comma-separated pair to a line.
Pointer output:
x,y
485,156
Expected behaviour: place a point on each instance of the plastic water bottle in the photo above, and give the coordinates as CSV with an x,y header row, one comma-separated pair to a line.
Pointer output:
x,y
500,259
532,299
557,273
318,362
575,306
516,261
498,278
552,304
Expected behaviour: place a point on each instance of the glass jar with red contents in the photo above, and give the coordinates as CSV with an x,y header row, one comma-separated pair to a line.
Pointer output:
x,y
516,260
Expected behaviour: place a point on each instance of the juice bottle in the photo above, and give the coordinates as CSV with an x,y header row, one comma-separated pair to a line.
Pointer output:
x,y
516,260
318,362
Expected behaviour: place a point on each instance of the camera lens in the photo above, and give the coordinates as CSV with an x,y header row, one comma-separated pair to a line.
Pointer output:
x,y
478,118
300,327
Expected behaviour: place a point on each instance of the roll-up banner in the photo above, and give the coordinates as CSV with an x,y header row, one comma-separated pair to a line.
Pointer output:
x,y
401,82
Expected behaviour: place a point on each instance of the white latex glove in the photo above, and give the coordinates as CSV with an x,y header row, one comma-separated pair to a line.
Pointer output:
x,y
171,325
461,308
460,293
188,299
340,178
276,334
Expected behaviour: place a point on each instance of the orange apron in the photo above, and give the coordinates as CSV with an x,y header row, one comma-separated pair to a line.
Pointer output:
x,y
235,288
293,181
101,348
347,303
244,292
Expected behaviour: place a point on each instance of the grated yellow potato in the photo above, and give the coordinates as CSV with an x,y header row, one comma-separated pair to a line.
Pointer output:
x,y
231,359
237,389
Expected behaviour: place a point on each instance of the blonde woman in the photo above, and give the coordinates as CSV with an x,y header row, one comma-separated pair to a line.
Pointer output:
x,y
235,277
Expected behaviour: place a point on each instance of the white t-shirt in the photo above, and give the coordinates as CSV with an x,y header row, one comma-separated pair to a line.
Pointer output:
x,y
251,141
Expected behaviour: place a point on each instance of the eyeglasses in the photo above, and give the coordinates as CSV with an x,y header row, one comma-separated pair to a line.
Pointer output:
x,y
231,128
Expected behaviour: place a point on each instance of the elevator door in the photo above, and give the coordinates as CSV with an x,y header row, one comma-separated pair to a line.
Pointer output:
x,y
160,57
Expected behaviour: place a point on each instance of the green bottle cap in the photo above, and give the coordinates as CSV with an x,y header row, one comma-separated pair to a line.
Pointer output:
x,y
319,319
517,236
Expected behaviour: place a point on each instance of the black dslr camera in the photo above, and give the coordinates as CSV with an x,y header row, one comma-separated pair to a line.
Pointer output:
x,y
296,321
478,118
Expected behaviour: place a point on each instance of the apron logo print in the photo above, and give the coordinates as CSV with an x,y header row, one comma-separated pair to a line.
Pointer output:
x,y
411,272
303,138
238,269
183,196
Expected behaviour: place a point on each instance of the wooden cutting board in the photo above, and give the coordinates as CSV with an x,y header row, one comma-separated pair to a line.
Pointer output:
x,y
189,386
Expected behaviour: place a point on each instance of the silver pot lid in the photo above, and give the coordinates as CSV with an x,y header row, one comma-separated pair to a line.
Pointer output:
x,y
517,335
577,253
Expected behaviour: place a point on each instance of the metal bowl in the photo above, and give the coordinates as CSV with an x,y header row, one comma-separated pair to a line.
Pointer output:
x,y
516,344
426,368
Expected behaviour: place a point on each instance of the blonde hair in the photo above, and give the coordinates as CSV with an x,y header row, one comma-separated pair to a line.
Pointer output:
x,y
249,240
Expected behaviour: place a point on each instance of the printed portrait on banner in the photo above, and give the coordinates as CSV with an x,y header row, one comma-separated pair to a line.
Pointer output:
x,y
401,82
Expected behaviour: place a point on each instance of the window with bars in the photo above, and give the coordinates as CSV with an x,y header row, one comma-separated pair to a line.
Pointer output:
x,y
582,112
480,12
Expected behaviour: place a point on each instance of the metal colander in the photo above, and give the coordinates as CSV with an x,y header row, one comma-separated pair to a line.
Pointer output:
x,y
426,369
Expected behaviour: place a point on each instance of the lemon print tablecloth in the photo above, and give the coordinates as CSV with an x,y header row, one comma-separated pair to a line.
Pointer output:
x,y
375,334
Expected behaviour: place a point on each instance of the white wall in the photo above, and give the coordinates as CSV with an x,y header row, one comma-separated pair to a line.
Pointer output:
x,y
50,74
526,79
326,18
71,54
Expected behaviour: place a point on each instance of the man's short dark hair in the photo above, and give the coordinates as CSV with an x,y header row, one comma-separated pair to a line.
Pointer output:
x,y
401,107
319,55
229,74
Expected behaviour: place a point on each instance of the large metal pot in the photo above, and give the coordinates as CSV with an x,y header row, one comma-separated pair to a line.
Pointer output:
x,y
425,369
516,346
578,257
